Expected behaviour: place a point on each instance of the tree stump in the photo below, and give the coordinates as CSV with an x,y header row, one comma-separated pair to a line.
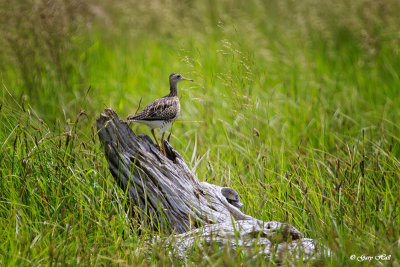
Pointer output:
x,y
170,198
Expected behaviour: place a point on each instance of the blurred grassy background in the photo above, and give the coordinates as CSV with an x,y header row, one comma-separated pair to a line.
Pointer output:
x,y
318,80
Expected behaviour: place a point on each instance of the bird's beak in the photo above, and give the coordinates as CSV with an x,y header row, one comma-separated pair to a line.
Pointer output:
x,y
186,79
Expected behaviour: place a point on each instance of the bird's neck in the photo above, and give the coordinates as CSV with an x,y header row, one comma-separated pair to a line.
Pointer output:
x,y
173,89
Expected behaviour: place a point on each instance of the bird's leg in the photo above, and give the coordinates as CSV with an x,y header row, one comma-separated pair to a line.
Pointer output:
x,y
155,138
169,136
163,145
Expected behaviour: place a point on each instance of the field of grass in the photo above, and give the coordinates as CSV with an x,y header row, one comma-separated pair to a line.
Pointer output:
x,y
294,105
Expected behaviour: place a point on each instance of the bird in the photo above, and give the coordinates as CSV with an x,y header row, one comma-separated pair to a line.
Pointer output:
x,y
161,113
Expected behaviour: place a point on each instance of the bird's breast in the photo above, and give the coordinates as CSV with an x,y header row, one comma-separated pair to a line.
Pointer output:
x,y
178,109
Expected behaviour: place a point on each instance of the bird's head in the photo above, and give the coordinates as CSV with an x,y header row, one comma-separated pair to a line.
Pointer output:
x,y
174,78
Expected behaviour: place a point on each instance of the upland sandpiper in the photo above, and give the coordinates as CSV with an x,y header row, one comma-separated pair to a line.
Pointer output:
x,y
162,112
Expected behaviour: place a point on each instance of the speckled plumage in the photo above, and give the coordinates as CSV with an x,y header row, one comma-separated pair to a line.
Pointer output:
x,y
162,112
166,108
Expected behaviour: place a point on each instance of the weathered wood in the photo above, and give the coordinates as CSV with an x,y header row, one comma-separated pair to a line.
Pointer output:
x,y
171,198
266,238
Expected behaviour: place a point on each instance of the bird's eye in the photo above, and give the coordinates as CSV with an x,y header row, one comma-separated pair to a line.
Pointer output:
x,y
179,76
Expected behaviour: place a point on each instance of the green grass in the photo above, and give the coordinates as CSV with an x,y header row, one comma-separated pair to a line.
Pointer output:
x,y
319,82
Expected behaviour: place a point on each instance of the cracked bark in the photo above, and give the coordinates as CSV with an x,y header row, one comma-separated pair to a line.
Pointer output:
x,y
171,199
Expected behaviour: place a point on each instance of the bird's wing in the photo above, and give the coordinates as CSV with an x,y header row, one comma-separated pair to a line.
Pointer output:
x,y
166,108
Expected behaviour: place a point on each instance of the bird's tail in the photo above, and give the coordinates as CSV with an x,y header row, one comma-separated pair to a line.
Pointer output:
x,y
131,118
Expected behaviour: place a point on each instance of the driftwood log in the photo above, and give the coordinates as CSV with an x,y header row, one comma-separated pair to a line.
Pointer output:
x,y
170,198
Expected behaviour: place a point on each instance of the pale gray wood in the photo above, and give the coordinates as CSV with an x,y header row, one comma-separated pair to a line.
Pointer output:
x,y
270,238
170,198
